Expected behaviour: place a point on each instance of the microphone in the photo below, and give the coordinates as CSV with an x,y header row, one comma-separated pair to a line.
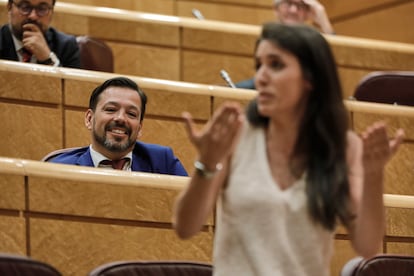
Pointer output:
x,y
197,14
226,78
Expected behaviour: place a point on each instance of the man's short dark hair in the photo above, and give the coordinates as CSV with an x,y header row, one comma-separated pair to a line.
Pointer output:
x,y
118,82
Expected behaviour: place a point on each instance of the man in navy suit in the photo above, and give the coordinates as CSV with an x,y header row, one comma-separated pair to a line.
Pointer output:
x,y
114,118
29,38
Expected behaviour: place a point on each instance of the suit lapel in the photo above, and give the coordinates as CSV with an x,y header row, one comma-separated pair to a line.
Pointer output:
x,y
7,50
85,159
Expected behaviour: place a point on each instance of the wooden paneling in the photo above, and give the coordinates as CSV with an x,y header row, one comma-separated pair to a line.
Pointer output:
x,y
388,23
400,248
400,222
13,193
12,234
31,131
210,64
152,6
227,11
146,61
78,247
32,87
12,223
79,218
126,202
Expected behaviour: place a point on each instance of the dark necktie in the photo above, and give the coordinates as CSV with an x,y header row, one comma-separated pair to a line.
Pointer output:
x,y
116,164
26,55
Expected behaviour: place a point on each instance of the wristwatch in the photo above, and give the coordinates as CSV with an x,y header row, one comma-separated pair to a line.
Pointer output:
x,y
202,171
51,60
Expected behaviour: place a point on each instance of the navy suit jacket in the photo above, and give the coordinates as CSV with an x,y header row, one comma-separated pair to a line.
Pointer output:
x,y
149,158
64,46
246,84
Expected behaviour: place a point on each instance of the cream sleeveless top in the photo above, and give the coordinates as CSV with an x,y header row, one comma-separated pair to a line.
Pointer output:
x,y
261,229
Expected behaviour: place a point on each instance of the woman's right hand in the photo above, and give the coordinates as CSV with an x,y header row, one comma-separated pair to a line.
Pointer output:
x,y
215,141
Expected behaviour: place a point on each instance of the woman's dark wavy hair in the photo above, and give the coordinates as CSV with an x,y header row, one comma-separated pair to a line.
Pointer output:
x,y
322,134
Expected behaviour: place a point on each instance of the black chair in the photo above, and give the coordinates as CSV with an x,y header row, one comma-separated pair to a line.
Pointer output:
x,y
391,87
95,54
380,265
153,268
15,265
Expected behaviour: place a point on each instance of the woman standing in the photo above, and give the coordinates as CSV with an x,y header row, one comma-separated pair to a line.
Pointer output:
x,y
284,175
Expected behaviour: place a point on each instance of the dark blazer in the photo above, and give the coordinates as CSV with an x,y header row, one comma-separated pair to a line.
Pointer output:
x,y
64,46
246,84
149,158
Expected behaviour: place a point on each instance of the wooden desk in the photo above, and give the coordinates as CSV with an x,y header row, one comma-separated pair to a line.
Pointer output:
x,y
78,218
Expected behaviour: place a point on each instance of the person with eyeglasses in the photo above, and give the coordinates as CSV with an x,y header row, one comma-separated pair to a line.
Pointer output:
x,y
301,11
293,12
28,36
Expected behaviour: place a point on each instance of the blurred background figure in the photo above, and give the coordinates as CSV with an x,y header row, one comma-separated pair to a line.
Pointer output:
x,y
302,11
28,36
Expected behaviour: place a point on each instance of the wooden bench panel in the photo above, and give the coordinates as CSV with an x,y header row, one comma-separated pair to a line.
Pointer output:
x,y
160,102
209,65
230,12
373,54
13,192
153,6
146,61
389,23
13,234
30,87
400,222
117,29
78,246
31,130
221,41
127,202
403,248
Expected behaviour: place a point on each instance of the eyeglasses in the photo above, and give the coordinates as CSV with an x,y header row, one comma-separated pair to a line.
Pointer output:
x,y
299,5
25,8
